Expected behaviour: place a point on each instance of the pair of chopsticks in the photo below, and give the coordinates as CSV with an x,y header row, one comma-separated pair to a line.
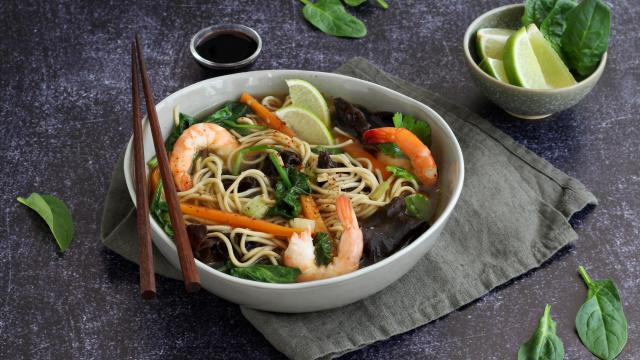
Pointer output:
x,y
145,251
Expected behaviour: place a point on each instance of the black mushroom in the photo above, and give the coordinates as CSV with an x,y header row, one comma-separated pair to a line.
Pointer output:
x,y
204,249
350,118
381,119
325,161
389,229
289,158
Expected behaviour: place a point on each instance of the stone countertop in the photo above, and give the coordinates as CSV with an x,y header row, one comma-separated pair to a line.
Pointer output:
x,y
65,109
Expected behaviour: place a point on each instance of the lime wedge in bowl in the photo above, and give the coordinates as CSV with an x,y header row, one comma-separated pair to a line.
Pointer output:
x,y
495,68
555,72
306,96
490,42
520,62
306,125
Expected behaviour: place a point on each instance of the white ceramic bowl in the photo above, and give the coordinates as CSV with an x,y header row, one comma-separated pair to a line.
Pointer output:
x,y
328,293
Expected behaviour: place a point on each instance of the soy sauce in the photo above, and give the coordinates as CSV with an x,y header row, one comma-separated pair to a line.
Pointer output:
x,y
227,47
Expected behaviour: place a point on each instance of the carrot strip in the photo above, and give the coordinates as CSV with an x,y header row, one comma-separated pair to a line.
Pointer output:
x,y
310,211
270,119
237,220
357,151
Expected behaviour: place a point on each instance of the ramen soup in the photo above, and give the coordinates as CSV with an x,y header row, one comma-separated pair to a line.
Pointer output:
x,y
262,203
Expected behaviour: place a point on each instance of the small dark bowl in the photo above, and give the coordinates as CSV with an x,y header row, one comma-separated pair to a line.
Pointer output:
x,y
207,32
518,101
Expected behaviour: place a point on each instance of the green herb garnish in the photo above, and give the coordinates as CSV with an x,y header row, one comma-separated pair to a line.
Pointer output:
x,y
421,129
600,322
544,344
332,18
322,245
55,213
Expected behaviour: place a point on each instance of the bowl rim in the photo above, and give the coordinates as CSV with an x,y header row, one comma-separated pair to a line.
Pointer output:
x,y
205,32
440,222
467,54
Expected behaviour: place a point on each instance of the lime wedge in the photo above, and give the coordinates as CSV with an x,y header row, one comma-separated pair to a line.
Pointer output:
x,y
306,125
520,62
494,68
555,72
490,42
306,96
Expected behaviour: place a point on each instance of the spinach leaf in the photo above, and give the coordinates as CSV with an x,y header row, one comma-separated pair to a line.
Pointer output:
x,y
266,273
418,206
184,121
600,322
554,24
322,245
227,115
391,150
544,344
55,213
159,210
354,2
401,173
288,196
421,129
535,11
331,18
586,36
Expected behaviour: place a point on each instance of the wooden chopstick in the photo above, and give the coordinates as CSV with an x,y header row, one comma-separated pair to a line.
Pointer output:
x,y
185,254
145,254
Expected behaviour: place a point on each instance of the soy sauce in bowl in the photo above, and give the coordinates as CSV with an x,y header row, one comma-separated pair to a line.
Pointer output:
x,y
226,46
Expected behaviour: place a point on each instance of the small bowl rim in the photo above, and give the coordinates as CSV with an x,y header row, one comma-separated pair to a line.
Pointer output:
x,y
202,33
467,54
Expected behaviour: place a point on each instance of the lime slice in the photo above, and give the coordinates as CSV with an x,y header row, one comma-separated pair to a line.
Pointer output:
x,y
306,96
490,42
555,72
520,62
306,125
494,68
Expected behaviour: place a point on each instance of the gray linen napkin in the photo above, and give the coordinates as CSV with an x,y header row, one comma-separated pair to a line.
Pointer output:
x,y
512,216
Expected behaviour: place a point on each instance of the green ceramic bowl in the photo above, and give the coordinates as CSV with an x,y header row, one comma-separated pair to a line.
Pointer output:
x,y
518,101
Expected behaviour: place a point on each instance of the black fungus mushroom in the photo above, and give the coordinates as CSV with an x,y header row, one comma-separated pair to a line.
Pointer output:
x,y
350,118
389,229
325,161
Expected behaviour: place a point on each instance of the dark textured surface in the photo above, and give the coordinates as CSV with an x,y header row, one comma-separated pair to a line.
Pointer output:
x,y
65,118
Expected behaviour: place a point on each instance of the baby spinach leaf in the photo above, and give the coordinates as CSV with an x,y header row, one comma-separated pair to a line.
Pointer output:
x,y
400,172
288,196
354,2
266,273
418,206
332,18
421,129
600,322
554,24
586,36
322,245
159,210
55,213
184,121
544,344
535,11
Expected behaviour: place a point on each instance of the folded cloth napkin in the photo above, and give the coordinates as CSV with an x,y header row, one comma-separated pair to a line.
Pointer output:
x,y
512,216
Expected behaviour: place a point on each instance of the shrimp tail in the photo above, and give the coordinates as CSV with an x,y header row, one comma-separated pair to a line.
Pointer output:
x,y
346,215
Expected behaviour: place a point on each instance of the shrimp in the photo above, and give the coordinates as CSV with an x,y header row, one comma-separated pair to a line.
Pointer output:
x,y
300,251
419,154
198,137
